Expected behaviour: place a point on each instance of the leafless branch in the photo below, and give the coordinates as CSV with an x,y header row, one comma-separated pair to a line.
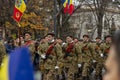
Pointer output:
x,y
78,7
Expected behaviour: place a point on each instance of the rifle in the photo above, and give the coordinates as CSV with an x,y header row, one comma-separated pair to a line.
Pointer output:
x,y
68,50
49,50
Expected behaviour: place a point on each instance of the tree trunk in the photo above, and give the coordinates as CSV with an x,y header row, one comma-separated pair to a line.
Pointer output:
x,y
99,25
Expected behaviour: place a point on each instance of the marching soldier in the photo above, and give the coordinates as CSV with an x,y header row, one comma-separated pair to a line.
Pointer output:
x,y
42,48
52,58
30,44
98,59
70,58
87,56
60,62
78,51
105,47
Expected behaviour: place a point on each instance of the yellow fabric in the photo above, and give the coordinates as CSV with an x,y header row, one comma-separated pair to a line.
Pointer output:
x,y
20,5
4,69
71,1
65,3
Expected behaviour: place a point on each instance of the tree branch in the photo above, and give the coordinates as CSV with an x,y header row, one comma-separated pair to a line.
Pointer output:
x,y
63,23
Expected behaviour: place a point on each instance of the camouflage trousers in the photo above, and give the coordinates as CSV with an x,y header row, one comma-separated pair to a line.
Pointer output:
x,y
70,71
86,69
49,75
98,69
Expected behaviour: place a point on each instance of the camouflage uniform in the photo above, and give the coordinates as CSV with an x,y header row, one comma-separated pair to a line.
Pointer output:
x,y
70,62
30,44
99,60
52,63
87,56
105,47
78,49
78,68
2,51
41,51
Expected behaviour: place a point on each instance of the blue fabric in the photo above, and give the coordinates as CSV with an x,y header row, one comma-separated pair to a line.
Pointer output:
x,y
20,66
25,1
68,1
9,48
63,1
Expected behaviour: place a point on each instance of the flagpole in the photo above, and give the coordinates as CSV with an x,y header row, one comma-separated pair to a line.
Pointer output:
x,y
55,17
19,33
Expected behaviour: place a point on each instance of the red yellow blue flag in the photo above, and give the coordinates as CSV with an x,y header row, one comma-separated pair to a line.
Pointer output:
x,y
68,6
19,9
71,7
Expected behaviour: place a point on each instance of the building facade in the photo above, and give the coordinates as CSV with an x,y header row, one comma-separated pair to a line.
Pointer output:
x,y
85,22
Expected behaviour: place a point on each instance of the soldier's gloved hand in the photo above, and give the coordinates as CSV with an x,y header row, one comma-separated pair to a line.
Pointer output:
x,y
63,44
43,56
94,61
56,67
101,55
79,65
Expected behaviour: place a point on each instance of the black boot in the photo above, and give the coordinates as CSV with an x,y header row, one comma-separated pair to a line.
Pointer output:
x,y
75,76
85,78
96,77
100,77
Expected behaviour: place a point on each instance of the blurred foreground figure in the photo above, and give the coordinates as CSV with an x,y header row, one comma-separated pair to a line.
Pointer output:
x,y
17,66
2,51
9,46
113,61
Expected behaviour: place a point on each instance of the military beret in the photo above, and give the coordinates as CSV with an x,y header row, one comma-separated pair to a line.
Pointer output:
x,y
108,36
86,36
69,36
98,38
28,33
52,34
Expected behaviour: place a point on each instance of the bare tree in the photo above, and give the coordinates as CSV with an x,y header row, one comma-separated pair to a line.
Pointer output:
x,y
98,7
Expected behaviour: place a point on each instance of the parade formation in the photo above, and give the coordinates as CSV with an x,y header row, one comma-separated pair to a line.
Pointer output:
x,y
69,59
59,39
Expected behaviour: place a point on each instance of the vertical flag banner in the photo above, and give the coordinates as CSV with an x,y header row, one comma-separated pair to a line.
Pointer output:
x,y
68,6
19,9
17,66
71,7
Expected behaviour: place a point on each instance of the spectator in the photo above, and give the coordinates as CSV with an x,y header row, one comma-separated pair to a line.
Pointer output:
x,y
9,46
113,61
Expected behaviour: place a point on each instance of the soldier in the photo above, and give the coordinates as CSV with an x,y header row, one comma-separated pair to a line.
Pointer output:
x,y
52,58
98,60
60,59
70,58
2,51
87,56
78,52
30,44
42,48
106,46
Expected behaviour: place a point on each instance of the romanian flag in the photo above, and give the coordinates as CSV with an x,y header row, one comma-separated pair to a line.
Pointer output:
x,y
68,6
17,66
71,7
19,9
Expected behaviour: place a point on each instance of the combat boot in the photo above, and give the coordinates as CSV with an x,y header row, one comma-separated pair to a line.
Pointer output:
x,y
85,78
